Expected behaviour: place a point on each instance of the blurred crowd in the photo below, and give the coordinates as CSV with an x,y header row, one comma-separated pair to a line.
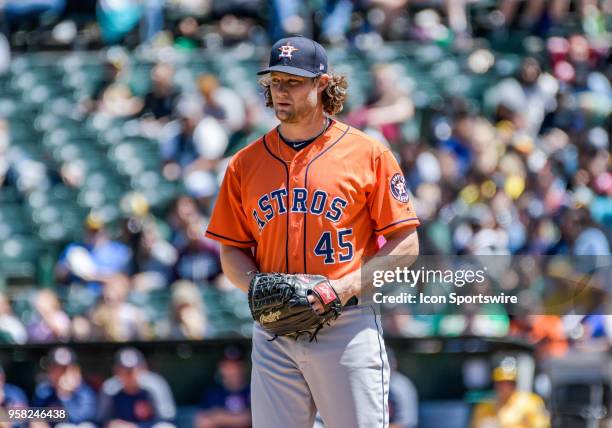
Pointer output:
x,y
134,396
526,171
189,24
111,317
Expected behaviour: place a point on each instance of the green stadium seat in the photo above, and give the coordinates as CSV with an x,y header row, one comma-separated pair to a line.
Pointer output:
x,y
61,136
15,111
54,232
92,198
8,195
51,212
507,65
41,93
64,105
427,55
12,227
18,256
36,199
48,122
60,192
447,68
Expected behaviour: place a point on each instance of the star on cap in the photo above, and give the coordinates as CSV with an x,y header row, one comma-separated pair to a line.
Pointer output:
x,y
286,51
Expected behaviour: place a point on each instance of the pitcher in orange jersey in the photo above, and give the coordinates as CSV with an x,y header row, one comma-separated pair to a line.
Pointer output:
x,y
312,196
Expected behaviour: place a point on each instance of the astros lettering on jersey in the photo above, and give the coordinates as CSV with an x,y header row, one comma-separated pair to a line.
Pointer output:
x,y
318,210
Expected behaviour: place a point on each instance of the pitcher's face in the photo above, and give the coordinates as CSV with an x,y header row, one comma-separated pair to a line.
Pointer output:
x,y
294,97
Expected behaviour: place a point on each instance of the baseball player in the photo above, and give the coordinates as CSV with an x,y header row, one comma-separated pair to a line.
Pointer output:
x,y
311,197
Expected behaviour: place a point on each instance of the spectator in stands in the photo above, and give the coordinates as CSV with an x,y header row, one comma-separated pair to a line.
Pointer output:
x,y
147,236
455,12
10,395
193,148
511,408
222,103
50,323
210,139
178,147
153,20
388,106
97,258
112,70
117,18
459,143
580,236
116,319
188,315
12,329
537,16
546,332
391,11
15,13
118,101
256,121
288,17
526,100
199,260
228,404
187,35
134,397
183,213
161,99
154,258
593,333
208,85
65,387
337,20
403,398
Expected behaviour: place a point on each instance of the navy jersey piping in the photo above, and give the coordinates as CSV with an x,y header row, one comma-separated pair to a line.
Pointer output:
x,y
288,193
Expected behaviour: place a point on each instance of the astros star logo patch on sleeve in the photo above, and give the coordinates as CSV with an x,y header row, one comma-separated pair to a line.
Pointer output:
x,y
398,188
286,51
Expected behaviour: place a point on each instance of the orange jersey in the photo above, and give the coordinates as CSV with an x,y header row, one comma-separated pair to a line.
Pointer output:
x,y
318,210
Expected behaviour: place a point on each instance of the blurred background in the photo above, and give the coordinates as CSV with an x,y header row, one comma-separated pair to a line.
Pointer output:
x,y
118,118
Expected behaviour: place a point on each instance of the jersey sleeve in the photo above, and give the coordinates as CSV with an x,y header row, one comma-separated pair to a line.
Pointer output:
x,y
228,223
389,201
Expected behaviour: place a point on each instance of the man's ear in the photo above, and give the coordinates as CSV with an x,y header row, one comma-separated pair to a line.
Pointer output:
x,y
322,82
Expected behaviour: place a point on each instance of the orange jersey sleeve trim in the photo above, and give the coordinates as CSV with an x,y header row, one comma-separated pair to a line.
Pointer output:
x,y
412,222
229,241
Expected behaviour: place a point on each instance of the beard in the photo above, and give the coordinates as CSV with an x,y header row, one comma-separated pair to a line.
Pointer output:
x,y
287,115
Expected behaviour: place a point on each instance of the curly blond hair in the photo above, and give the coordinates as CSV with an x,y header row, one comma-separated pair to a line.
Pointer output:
x,y
333,97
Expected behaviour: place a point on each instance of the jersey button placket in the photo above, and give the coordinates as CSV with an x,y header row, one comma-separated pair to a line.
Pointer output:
x,y
295,219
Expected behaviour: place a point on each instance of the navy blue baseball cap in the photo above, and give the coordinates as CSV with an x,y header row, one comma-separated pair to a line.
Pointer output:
x,y
299,56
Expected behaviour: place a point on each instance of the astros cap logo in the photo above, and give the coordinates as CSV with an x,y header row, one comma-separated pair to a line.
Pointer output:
x,y
287,51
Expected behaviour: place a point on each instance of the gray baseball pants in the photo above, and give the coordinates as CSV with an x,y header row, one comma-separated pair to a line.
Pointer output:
x,y
344,375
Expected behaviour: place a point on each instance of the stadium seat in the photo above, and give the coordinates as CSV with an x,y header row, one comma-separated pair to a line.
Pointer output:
x,y
8,195
18,256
